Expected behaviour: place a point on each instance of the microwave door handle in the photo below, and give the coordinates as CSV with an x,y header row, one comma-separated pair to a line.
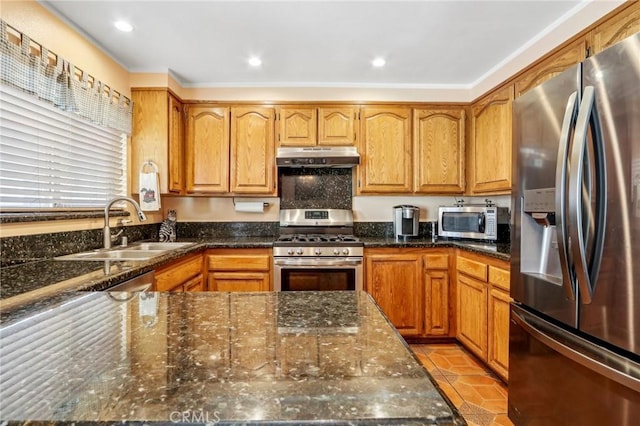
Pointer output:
x,y
481,222
561,193
587,116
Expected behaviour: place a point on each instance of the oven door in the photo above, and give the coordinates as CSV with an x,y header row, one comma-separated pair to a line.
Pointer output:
x,y
317,274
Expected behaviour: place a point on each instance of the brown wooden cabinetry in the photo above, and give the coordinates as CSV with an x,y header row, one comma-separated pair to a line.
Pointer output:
x,y
385,150
252,150
412,287
394,279
483,308
623,24
490,143
230,150
207,150
569,55
438,150
436,291
310,126
239,270
185,274
158,136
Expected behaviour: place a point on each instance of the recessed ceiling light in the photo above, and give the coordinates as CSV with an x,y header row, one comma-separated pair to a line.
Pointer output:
x,y
123,26
254,61
378,62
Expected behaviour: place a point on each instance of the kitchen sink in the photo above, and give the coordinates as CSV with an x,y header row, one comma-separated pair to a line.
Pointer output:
x,y
158,246
139,251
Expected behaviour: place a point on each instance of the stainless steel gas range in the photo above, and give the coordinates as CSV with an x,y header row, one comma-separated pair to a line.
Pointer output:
x,y
317,251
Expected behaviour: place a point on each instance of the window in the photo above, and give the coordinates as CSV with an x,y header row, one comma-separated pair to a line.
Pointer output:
x,y
51,158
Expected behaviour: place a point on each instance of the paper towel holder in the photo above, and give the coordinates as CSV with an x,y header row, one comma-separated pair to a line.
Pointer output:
x,y
264,204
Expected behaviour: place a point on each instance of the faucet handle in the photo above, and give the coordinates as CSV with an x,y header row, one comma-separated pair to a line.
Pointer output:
x,y
122,222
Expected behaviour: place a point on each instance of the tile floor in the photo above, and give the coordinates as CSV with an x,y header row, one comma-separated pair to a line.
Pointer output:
x,y
478,394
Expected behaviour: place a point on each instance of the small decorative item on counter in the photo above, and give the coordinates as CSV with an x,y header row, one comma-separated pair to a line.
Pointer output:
x,y
168,227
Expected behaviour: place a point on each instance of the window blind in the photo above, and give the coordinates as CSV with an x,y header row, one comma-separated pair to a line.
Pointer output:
x,y
54,159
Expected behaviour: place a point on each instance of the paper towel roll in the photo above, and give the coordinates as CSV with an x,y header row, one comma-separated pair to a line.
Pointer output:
x,y
249,206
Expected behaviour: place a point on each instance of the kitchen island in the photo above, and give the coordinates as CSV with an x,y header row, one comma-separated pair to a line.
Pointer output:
x,y
220,358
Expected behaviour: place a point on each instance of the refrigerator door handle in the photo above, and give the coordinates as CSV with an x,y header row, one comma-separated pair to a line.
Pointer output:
x,y
586,274
561,194
546,336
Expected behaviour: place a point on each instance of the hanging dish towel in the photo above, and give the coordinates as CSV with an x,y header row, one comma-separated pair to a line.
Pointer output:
x,y
149,187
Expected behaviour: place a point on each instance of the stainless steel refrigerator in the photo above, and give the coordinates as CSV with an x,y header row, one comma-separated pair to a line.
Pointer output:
x,y
575,260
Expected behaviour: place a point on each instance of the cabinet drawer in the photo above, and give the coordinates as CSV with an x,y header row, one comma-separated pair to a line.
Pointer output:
x,y
437,261
177,273
499,277
239,262
471,267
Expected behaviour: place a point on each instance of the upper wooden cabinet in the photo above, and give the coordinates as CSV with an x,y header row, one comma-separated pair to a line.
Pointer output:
x,y
311,126
252,150
385,150
571,54
157,136
620,26
490,143
438,150
297,126
230,150
207,150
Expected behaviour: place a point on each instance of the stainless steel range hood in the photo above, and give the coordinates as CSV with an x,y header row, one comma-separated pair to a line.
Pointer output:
x,y
338,156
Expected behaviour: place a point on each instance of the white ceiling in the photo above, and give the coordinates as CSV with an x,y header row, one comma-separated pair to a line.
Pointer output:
x,y
316,43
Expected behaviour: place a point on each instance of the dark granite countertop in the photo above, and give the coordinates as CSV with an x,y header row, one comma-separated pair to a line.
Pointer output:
x,y
26,282
277,358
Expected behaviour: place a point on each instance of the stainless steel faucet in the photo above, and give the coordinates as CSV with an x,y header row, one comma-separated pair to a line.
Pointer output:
x,y
107,230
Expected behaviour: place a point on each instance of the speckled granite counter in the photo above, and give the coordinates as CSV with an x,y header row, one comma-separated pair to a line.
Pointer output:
x,y
47,277
222,358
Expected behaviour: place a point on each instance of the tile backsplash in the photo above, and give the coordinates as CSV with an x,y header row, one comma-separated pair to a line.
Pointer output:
x,y
315,188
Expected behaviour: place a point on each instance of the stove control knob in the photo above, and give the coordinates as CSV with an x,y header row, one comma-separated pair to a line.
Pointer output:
x,y
318,252
290,252
299,251
336,251
345,251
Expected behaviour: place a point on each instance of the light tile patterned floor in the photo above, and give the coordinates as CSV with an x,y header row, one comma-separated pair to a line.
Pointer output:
x,y
480,396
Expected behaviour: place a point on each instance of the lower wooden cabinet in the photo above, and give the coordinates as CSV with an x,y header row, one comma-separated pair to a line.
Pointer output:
x,y
239,270
185,274
412,288
483,308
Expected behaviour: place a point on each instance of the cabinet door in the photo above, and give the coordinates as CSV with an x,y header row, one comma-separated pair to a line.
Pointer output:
x,y
436,320
238,281
551,66
498,331
337,126
385,150
195,284
149,137
490,150
207,150
624,24
395,282
439,150
297,126
174,276
252,150
472,314
176,145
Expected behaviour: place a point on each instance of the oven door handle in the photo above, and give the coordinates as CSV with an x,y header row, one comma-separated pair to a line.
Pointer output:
x,y
344,261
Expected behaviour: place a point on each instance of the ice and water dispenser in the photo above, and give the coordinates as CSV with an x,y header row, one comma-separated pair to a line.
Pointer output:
x,y
539,254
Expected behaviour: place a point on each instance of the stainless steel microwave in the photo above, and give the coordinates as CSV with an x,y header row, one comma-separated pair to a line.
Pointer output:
x,y
479,222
